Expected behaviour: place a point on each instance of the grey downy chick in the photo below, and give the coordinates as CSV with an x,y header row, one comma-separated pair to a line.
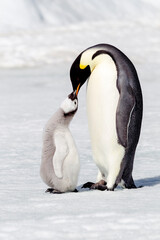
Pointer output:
x,y
60,162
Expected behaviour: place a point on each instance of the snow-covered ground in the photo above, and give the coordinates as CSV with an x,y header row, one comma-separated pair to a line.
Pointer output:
x,y
34,79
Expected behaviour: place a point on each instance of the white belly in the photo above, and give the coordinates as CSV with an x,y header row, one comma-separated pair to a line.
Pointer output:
x,y
102,101
70,166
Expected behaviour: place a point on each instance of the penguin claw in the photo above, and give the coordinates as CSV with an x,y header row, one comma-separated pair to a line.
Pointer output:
x,y
88,185
75,190
134,187
50,190
101,185
53,191
110,189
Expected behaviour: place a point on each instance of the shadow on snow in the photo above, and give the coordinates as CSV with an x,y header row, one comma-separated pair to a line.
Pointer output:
x,y
148,182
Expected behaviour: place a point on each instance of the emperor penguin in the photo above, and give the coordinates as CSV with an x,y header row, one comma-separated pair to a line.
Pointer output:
x,y
60,162
114,107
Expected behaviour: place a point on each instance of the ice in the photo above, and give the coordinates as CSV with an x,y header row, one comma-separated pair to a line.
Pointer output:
x,y
37,49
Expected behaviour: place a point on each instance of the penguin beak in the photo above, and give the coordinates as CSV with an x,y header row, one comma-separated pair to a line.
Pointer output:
x,y
72,95
77,90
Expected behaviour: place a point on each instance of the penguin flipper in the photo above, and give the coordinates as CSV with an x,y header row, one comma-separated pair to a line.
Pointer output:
x,y
61,151
123,114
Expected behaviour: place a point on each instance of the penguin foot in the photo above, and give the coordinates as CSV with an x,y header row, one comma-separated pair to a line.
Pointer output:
x,y
50,190
54,191
101,185
75,190
87,185
133,187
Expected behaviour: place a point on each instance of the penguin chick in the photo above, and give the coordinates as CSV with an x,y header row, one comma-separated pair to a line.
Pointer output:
x,y
60,162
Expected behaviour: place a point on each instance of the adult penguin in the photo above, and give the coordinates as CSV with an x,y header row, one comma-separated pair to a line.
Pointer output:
x,y
114,106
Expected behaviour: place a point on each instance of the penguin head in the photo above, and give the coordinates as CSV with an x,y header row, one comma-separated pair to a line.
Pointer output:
x,y
70,104
83,66
79,73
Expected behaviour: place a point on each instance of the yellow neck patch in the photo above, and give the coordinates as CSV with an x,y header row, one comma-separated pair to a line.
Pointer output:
x,y
82,66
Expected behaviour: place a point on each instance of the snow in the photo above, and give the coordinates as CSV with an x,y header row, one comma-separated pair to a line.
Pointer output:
x,y
28,38
34,79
